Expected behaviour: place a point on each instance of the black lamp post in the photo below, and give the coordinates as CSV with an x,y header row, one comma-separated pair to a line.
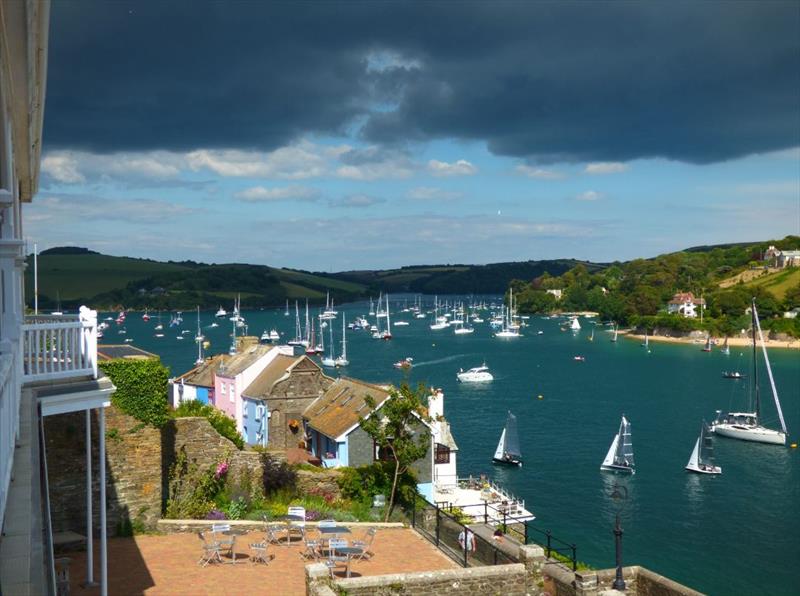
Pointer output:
x,y
619,495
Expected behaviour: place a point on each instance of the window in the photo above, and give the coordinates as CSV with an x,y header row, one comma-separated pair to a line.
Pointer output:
x,y
442,455
223,388
382,453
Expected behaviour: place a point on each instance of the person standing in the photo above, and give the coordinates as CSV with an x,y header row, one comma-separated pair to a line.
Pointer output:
x,y
467,540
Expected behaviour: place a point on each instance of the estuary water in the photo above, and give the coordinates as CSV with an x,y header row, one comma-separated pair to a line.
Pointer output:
x,y
738,533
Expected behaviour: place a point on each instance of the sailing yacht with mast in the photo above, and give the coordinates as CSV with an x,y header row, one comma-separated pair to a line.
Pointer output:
x,y
508,330
330,359
342,360
615,333
298,337
620,454
702,458
199,339
746,426
508,451
438,322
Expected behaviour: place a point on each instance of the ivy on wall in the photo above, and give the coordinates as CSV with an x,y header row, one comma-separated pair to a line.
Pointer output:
x,y
141,388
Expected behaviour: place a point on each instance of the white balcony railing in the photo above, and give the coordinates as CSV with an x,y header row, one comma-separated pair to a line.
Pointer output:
x,y
56,347
9,419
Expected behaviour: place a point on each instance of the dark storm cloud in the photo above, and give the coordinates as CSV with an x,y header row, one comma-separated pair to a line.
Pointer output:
x,y
697,82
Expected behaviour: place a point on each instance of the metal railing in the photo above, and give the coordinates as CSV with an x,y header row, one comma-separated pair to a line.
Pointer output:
x,y
10,394
525,532
59,346
453,538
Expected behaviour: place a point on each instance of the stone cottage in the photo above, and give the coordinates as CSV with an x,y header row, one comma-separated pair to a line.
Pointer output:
x,y
273,404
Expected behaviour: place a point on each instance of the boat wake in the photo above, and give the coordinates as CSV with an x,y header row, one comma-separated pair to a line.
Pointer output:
x,y
439,360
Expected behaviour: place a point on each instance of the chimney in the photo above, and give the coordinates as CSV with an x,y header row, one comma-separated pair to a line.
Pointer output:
x,y
436,404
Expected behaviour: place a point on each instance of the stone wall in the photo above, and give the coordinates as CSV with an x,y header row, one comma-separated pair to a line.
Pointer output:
x,y
133,470
205,447
502,580
289,398
323,483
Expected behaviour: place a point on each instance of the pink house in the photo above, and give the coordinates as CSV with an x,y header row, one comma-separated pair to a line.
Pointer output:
x,y
237,373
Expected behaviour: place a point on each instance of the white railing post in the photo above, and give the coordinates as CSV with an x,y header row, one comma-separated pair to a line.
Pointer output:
x,y
88,319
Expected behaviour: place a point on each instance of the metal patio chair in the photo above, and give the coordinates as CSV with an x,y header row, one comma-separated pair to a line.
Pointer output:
x,y
211,551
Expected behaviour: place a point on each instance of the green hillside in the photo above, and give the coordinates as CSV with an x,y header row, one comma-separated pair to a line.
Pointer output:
x,y
778,283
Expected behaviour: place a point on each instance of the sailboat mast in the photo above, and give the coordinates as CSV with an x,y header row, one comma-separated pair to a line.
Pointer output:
x,y
769,373
753,324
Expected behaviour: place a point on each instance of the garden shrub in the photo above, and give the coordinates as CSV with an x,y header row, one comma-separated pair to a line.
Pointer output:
x,y
364,482
277,475
141,388
192,490
223,424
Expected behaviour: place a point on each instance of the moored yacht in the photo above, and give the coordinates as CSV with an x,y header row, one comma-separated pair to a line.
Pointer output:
x,y
746,426
479,374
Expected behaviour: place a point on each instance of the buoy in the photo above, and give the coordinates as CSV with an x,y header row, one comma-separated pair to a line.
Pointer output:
x,y
793,445
433,345
541,397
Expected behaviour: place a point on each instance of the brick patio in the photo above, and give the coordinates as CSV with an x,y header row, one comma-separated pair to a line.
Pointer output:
x,y
167,564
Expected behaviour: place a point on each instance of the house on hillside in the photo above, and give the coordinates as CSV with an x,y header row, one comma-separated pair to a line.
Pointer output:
x,y
789,258
684,303
337,439
273,404
556,292
198,383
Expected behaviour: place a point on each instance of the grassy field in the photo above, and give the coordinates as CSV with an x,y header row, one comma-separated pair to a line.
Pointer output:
x,y
79,276
297,277
777,283
297,292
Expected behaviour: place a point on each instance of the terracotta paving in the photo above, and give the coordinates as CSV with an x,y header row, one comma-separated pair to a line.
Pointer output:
x,y
167,565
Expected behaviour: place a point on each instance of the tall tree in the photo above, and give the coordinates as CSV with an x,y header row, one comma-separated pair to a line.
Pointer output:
x,y
396,427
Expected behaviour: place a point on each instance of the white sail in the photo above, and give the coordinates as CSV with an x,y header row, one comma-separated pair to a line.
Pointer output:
x,y
769,372
609,460
501,446
692,465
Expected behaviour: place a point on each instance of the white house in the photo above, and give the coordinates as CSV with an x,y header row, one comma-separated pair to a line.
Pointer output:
x,y
557,293
48,364
686,304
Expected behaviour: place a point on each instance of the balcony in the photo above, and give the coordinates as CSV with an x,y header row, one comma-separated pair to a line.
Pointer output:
x,y
59,347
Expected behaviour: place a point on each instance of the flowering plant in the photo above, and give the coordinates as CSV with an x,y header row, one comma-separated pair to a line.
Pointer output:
x,y
216,514
222,469
294,425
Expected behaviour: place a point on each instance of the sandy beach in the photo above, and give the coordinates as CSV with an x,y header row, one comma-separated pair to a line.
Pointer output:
x,y
718,341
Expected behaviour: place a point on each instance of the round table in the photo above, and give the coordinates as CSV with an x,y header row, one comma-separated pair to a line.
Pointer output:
x,y
234,533
349,551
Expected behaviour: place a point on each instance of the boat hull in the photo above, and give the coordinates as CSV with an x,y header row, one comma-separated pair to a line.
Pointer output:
x,y
507,462
702,470
618,469
755,434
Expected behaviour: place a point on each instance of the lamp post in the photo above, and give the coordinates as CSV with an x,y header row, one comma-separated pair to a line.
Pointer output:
x,y
619,495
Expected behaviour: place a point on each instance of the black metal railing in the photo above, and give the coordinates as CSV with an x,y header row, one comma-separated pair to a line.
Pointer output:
x,y
521,528
455,539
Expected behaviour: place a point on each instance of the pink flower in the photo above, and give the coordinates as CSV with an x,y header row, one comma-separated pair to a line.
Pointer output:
x,y
222,469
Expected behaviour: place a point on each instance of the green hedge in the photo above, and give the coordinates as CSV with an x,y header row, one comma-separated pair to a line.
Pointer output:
x,y
141,388
223,424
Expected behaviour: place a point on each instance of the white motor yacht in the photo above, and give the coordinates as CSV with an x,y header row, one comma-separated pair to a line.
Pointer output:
x,y
479,374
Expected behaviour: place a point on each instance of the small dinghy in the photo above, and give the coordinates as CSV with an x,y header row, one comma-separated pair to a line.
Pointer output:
x,y
508,451
702,458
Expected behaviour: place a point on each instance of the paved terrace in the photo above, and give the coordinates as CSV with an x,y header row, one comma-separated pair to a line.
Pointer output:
x,y
167,564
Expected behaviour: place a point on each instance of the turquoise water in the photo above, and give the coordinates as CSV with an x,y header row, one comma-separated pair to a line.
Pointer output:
x,y
738,533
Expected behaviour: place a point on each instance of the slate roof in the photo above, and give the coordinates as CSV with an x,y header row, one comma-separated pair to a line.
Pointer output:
x,y
243,360
279,368
339,409
203,374
112,351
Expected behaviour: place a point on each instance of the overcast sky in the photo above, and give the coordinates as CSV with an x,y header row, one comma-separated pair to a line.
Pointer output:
x,y
341,135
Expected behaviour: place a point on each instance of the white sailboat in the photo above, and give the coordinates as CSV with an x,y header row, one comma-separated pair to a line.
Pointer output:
x,y
620,455
479,374
575,325
437,324
746,426
508,329
702,458
199,339
298,337
726,349
508,451
342,360
615,333
330,359
387,333
286,312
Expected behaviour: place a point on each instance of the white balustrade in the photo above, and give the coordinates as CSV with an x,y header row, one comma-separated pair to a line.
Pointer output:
x,y
59,346
9,419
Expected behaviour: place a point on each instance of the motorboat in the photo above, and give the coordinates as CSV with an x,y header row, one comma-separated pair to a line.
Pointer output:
x,y
479,374
405,363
